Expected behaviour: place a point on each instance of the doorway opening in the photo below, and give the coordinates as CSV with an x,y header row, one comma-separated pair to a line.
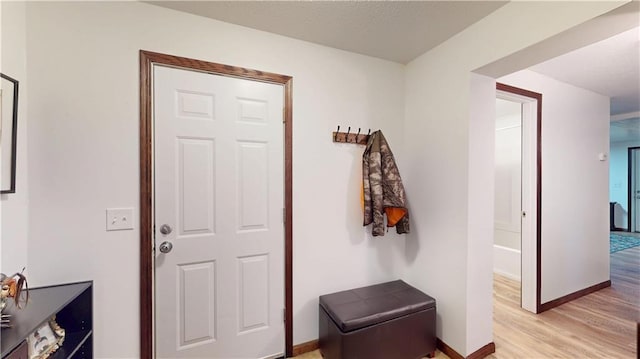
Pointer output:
x,y
517,235
634,189
508,191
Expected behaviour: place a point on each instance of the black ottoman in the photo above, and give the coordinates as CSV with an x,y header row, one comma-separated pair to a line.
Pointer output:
x,y
388,320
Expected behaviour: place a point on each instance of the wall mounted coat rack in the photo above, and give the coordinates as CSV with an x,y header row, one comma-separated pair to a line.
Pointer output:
x,y
351,137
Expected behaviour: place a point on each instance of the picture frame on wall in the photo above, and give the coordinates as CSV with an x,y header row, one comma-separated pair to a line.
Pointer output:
x,y
8,133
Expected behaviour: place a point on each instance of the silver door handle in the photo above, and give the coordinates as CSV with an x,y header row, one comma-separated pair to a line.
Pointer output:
x,y
166,247
165,229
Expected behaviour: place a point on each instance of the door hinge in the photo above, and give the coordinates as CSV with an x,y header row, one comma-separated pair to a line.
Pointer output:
x,y
284,215
284,115
284,316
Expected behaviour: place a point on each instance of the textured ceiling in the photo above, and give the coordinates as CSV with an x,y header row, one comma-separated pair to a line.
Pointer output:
x,y
610,67
398,31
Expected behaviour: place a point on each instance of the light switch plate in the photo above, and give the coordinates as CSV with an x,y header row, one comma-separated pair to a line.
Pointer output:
x,y
119,219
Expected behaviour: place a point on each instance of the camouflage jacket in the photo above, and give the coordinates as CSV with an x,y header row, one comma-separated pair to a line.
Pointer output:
x,y
383,192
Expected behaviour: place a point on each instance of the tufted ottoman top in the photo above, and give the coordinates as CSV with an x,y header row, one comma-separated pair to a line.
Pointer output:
x,y
361,307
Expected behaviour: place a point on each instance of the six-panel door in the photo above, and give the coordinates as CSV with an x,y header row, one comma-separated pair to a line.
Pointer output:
x,y
218,184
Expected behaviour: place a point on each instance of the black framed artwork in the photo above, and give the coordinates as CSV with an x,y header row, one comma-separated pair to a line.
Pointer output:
x,y
8,133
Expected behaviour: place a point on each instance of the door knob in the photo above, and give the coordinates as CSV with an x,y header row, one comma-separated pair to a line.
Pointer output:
x,y
165,229
166,247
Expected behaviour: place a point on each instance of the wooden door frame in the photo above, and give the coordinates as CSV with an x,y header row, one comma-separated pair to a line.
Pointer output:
x,y
538,97
147,60
629,186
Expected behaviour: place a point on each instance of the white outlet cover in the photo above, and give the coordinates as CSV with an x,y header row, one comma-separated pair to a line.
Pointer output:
x,y
119,219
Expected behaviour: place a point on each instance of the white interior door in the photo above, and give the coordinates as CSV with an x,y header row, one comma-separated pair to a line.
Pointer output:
x,y
529,204
528,200
219,189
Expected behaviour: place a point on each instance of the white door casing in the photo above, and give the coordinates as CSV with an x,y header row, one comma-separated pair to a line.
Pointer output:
x,y
218,183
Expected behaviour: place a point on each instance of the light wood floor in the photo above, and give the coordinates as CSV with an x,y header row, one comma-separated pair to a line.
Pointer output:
x,y
316,355
599,325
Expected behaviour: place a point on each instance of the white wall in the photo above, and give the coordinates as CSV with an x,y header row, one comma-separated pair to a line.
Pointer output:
x,y
575,184
0,149
449,121
83,152
15,228
480,205
619,179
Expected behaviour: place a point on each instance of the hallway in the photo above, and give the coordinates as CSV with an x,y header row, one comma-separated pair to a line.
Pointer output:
x,y
599,325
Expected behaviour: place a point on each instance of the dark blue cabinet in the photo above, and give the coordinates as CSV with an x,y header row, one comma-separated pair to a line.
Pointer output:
x,y
72,306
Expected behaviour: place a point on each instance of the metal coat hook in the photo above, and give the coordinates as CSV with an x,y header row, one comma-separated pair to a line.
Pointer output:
x,y
358,137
